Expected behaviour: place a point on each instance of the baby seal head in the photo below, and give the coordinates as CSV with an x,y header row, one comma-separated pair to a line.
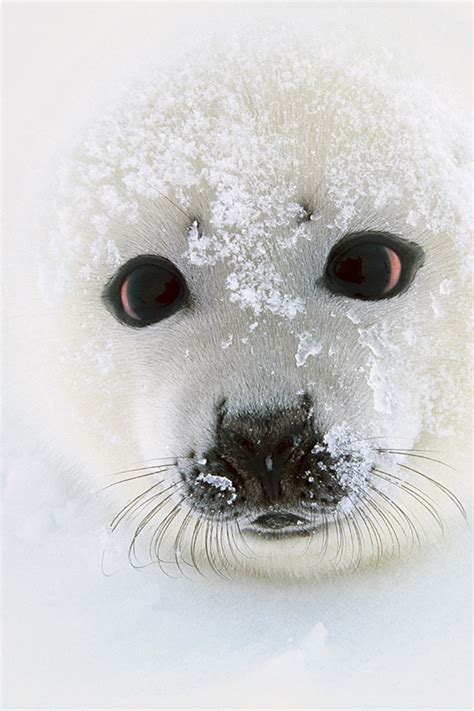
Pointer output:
x,y
254,295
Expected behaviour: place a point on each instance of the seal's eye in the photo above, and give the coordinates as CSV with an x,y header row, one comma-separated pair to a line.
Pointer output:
x,y
372,265
145,290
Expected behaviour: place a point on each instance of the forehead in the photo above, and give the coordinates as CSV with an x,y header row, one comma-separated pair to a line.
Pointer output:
x,y
241,145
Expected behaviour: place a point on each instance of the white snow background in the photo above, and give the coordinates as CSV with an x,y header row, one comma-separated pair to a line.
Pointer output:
x,y
74,637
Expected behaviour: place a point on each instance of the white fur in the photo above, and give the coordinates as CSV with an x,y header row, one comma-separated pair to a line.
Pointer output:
x,y
239,143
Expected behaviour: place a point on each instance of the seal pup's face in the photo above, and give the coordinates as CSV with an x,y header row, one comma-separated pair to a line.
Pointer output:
x,y
255,274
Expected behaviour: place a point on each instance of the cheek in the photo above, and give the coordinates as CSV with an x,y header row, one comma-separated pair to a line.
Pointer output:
x,y
153,422
398,393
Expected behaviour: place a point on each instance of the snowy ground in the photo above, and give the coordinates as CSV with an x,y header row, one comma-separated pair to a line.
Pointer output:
x,y
75,637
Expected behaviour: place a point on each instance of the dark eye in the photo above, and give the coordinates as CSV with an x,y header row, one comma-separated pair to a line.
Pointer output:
x,y
372,265
145,290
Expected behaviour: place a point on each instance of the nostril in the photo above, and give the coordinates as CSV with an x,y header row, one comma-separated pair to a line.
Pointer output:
x,y
286,445
283,445
246,444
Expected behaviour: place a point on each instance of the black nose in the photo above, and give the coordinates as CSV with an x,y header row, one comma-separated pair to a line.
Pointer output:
x,y
262,447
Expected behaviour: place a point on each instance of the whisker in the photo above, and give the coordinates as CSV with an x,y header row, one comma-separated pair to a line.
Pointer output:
x,y
403,451
149,516
165,197
362,517
310,537
154,548
207,548
340,526
415,493
162,459
133,560
339,537
141,469
141,506
372,528
102,565
192,548
453,498
403,514
354,534
177,545
245,542
367,439
325,536
225,527
209,530
236,543
358,534
313,195
221,553
231,543
220,549
395,541
134,478
129,507
408,453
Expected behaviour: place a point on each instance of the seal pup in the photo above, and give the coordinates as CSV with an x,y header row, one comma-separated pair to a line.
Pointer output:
x,y
252,304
